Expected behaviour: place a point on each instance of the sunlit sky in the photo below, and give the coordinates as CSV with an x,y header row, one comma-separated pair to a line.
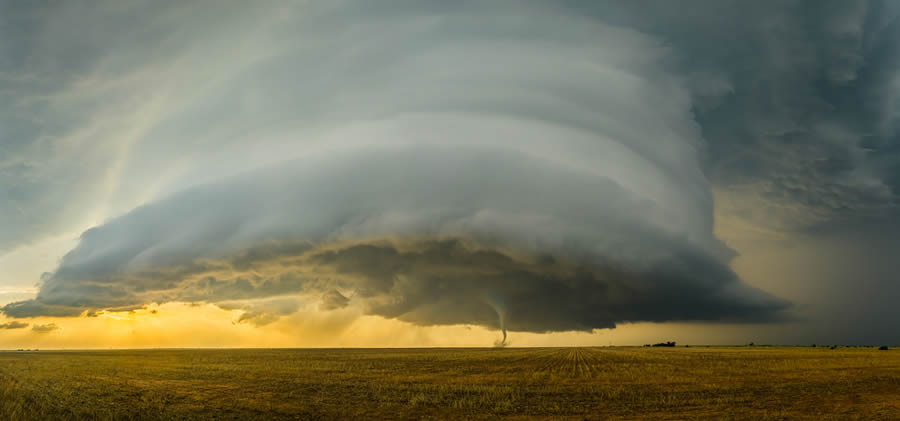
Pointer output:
x,y
426,173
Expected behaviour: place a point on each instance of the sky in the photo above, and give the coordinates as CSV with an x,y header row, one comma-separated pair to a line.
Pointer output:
x,y
431,173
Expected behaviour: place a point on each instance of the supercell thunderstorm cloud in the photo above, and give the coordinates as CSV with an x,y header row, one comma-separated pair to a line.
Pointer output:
x,y
530,166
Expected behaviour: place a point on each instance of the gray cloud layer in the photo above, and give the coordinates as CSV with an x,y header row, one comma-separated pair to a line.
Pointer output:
x,y
549,166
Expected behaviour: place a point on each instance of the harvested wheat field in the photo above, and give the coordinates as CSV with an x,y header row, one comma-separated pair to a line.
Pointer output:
x,y
547,383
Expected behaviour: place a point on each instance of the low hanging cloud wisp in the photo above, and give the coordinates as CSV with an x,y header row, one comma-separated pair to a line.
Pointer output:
x,y
551,169
13,325
46,328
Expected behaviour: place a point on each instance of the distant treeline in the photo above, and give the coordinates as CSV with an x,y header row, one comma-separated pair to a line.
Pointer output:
x,y
672,343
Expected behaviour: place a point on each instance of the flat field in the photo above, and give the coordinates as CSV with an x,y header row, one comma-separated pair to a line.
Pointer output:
x,y
753,383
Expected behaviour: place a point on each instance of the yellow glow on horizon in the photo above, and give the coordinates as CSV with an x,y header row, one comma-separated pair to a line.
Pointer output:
x,y
181,325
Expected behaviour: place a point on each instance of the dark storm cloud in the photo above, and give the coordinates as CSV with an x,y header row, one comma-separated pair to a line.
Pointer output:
x,y
13,325
798,101
585,135
448,282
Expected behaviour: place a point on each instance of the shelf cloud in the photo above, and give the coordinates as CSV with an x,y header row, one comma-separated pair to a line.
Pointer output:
x,y
564,188
516,165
